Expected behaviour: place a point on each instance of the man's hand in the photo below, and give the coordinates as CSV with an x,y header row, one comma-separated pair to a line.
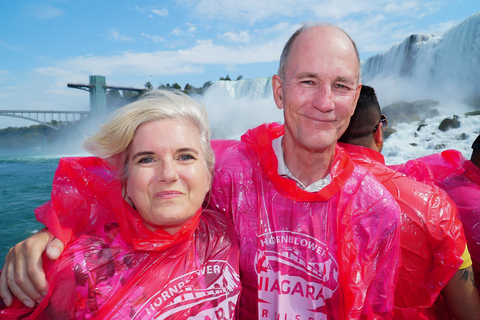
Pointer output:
x,y
22,274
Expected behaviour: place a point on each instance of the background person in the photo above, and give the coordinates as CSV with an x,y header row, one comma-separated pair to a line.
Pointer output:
x,y
460,178
319,236
432,240
140,245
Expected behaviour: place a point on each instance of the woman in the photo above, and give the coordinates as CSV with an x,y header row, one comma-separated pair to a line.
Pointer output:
x,y
140,246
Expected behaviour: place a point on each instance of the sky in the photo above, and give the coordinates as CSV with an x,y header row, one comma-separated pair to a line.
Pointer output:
x,y
46,44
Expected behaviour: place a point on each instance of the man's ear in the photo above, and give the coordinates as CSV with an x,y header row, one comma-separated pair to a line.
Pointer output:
x,y
378,135
277,91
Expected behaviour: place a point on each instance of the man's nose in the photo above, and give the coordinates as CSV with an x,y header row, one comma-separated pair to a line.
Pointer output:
x,y
323,99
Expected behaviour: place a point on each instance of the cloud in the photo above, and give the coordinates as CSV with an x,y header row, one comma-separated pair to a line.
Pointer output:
x,y
153,38
240,36
10,47
115,35
45,12
130,65
177,32
161,13
180,32
442,27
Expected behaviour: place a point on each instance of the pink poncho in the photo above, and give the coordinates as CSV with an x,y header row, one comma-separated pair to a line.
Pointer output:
x,y
460,178
432,238
331,254
115,268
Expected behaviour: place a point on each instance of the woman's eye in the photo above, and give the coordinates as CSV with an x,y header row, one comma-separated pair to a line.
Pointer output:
x,y
186,157
145,160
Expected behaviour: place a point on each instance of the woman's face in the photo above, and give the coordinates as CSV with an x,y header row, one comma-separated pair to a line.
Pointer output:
x,y
168,177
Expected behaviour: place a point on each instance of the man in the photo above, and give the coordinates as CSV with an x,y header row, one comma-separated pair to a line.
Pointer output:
x,y
460,179
318,235
432,240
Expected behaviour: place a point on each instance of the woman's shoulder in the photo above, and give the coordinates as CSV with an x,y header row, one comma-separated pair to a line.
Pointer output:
x,y
215,233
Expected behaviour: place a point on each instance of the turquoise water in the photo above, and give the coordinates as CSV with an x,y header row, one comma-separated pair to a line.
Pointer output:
x,y
25,183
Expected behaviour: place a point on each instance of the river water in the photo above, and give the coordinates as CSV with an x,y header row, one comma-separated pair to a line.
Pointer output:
x,y
25,184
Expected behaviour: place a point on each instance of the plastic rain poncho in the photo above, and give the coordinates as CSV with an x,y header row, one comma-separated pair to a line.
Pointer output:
x,y
460,178
432,239
115,268
333,253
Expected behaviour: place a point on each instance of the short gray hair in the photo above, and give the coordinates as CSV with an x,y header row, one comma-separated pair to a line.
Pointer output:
x,y
113,140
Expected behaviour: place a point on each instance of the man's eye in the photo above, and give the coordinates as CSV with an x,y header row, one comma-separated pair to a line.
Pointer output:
x,y
342,88
310,82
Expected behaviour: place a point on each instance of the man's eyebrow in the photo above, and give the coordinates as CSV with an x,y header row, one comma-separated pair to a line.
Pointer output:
x,y
346,80
307,75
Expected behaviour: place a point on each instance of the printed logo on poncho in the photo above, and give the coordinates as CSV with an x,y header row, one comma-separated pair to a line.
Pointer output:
x,y
296,275
209,293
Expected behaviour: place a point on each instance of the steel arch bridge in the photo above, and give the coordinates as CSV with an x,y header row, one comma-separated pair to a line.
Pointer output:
x,y
51,118
97,88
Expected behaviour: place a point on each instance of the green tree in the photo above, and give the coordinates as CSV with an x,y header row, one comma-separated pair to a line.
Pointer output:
x,y
148,86
207,84
176,86
240,77
227,78
130,96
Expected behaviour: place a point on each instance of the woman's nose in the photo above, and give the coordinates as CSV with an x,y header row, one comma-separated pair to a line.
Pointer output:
x,y
167,172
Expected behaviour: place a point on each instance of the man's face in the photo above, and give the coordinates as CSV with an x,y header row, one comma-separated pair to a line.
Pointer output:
x,y
319,91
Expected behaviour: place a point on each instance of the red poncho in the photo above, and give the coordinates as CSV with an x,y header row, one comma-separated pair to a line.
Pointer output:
x,y
115,268
460,178
431,239
333,253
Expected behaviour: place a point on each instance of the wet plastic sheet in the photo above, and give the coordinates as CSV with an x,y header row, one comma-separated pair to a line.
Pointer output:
x,y
432,239
304,255
115,268
460,178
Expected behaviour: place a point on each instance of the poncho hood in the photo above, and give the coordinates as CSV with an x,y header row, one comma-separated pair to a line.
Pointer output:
x,y
89,187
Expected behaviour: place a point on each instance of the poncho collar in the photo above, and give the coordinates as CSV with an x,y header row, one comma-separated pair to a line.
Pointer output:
x,y
259,147
87,194
369,153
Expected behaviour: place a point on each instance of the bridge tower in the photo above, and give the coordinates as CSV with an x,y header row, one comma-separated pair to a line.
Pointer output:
x,y
98,97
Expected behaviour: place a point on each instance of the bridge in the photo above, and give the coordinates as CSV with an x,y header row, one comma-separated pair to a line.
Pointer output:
x,y
50,118
56,119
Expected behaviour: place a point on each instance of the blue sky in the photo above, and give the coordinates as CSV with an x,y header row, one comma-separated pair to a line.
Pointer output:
x,y
46,44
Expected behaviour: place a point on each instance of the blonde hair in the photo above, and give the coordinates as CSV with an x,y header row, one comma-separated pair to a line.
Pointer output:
x,y
112,142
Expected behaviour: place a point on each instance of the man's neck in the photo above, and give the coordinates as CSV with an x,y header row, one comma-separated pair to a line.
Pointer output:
x,y
308,166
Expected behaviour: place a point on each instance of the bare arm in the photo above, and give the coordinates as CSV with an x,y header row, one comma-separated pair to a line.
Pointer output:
x,y
461,295
22,274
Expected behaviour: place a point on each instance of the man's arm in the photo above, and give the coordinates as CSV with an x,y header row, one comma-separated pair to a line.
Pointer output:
x,y
22,274
461,295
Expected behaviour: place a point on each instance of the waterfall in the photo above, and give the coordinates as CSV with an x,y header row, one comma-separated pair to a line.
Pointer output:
x,y
248,88
236,106
429,66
